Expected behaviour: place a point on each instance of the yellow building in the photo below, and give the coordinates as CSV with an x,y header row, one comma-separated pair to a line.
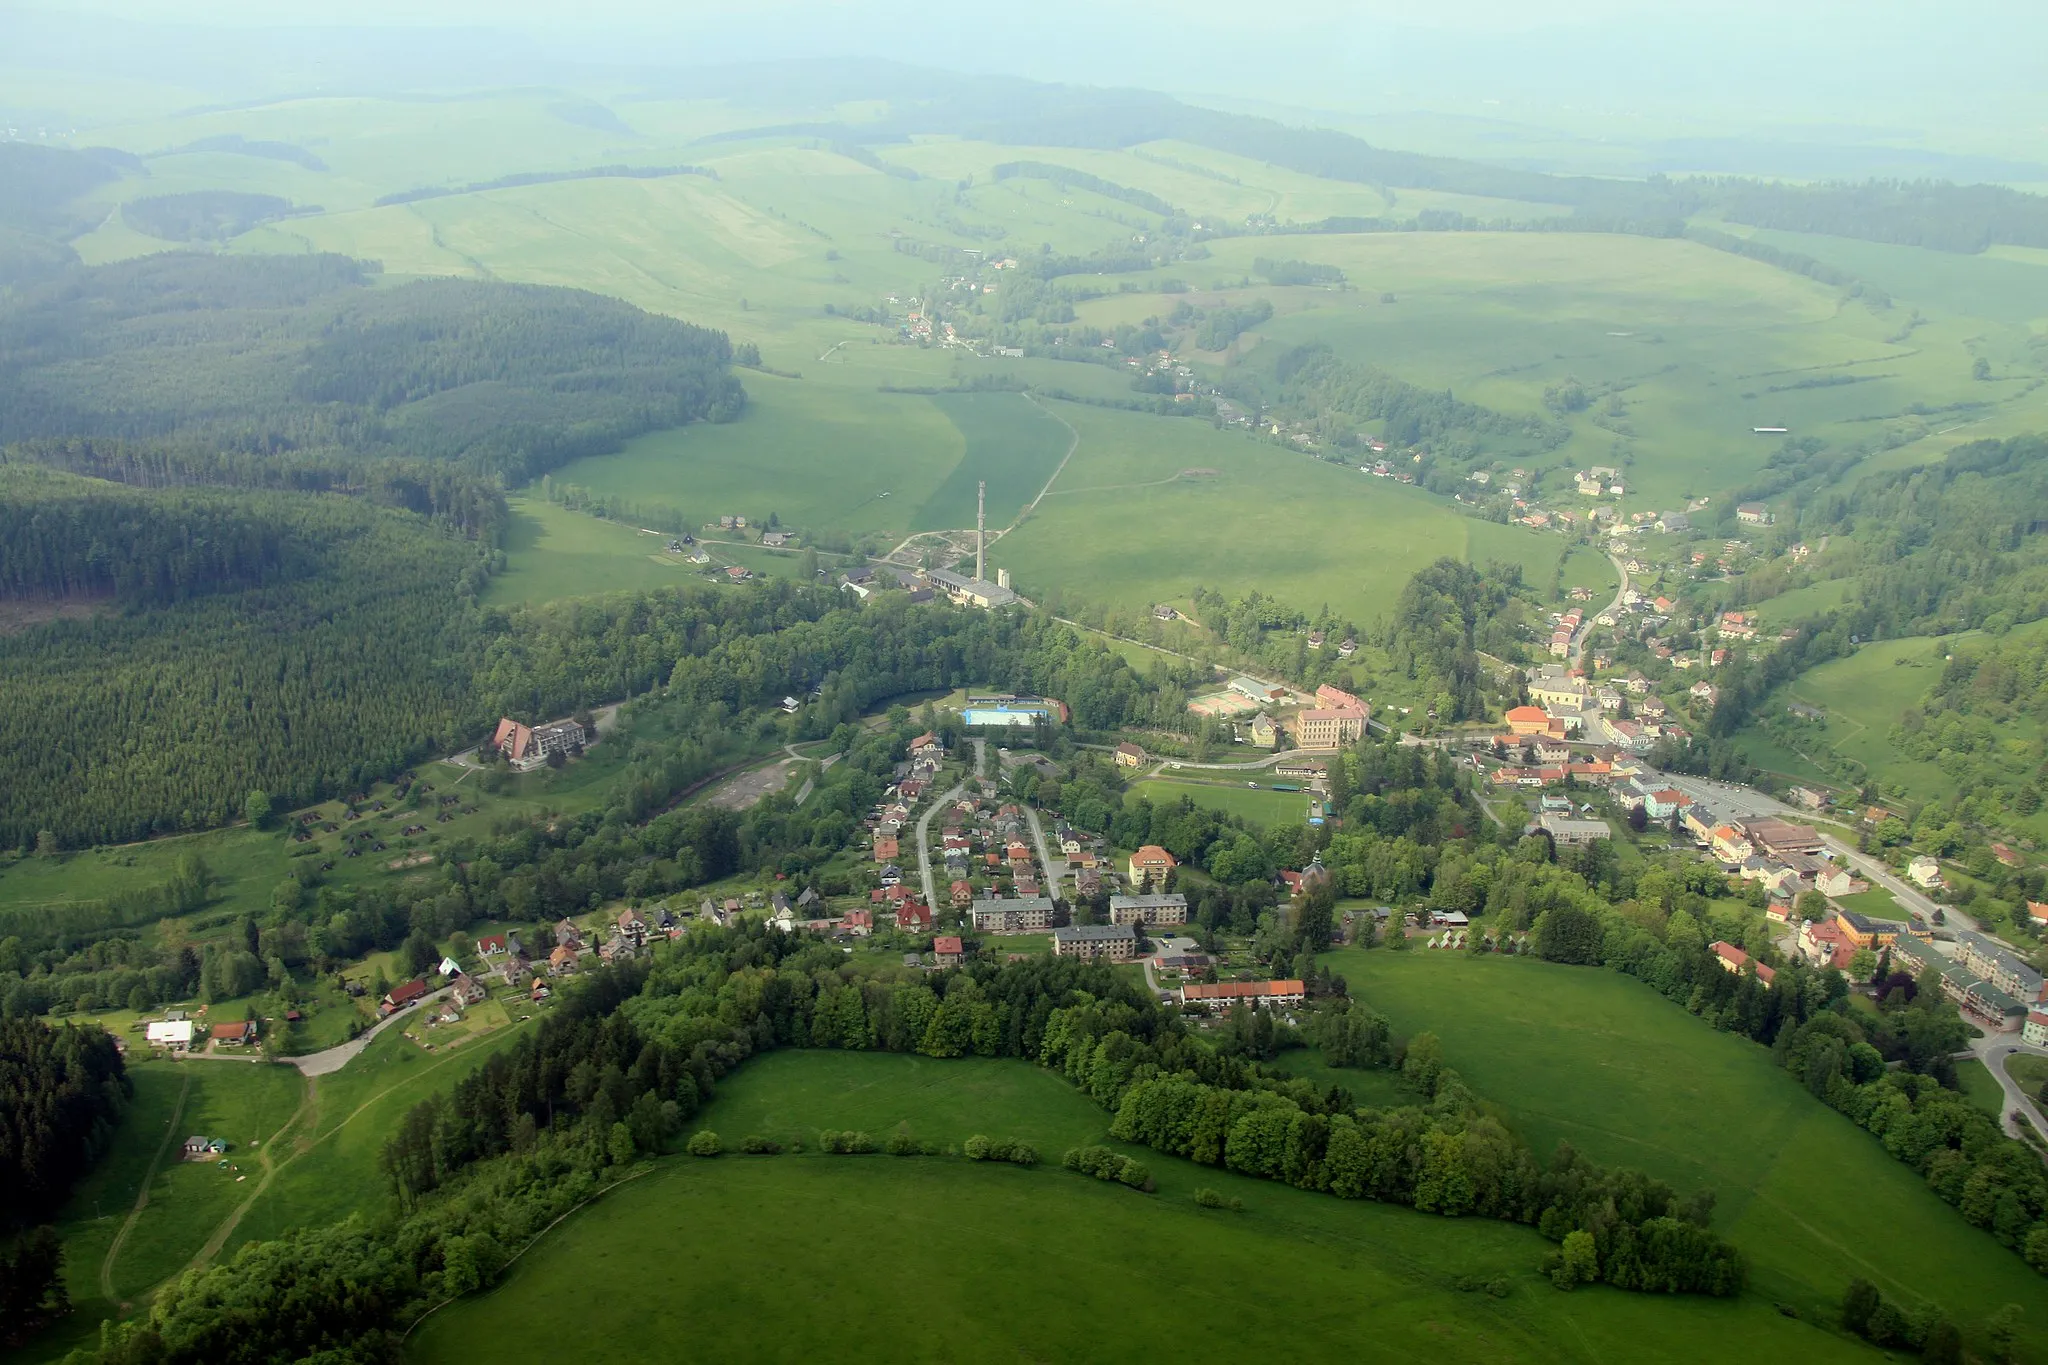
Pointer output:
x,y
1328,727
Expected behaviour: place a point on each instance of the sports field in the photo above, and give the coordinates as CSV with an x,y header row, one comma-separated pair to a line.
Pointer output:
x,y
1590,1057
937,1258
1261,807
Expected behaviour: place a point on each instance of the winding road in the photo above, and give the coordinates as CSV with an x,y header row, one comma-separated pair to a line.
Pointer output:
x,y
924,832
341,1054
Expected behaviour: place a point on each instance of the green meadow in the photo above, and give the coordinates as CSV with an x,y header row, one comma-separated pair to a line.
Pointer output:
x,y
1591,1057
936,1258
1261,806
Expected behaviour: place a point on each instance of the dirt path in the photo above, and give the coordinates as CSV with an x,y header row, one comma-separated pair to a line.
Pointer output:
x,y
142,1195
1073,443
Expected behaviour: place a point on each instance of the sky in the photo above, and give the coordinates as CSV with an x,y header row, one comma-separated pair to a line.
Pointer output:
x,y
1956,73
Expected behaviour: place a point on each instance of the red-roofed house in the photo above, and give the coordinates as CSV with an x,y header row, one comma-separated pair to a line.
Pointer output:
x,y
1825,945
860,922
1528,720
886,850
913,918
947,950
234,1035
1222,995
962,895
403,994
1733,959
1336,698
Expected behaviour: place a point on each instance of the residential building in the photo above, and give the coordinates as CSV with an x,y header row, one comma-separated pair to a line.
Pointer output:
x,y
1328,728
1129,755
402,995
913,917
1151,861
1753,514
1263,731
947,951
2035,1030
1222,995
887,850
1337,699
569,935
468,989
859,923
1569,832
174,1034
1528,720
1116,942
1924,871
961,893
1825,944
563,961
1167,909
2001,966
1733,960
1556,690
1838,881
1729,845
1018,915
1665,802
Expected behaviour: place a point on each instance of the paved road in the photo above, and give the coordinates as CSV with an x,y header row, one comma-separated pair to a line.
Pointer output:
x,y
1992,1050
1168,765
339,1056
1052,880
924,833
1586,626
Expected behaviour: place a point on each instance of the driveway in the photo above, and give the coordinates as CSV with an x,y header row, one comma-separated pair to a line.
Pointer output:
x,y
340,1055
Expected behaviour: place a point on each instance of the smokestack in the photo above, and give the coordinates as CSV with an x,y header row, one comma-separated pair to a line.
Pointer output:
x,y
981,530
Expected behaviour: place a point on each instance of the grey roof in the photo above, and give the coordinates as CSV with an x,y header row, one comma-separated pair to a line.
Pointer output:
x,y
1094,933
1014,903
2006,960
1147,902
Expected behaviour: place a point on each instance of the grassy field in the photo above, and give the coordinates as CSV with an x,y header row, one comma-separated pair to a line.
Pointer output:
x,y
1593,1058
551,552
1149,507
1980,1088
939,1259
1864,695
1261,807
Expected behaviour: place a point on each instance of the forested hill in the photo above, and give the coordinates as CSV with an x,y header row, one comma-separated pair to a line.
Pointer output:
x,y
310,353
63,536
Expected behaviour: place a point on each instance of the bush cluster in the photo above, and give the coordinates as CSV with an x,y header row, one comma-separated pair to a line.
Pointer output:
x,y
1210,1199
981,1147
753,1144
703,1142
833,1142
1105,1163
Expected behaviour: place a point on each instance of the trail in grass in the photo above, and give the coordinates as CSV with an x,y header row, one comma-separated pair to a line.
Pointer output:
x,y
270,1169
142,1195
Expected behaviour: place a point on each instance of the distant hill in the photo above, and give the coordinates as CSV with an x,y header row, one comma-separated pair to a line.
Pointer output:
x,y
37,185
302,353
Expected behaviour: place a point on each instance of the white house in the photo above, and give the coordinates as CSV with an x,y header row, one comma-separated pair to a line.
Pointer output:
x,y
1924,871
175,1034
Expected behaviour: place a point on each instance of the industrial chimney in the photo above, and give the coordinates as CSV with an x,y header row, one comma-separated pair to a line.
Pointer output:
x,y
981,530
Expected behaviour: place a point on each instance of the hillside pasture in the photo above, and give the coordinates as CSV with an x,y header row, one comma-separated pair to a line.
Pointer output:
x,y
876,1233
1590,1057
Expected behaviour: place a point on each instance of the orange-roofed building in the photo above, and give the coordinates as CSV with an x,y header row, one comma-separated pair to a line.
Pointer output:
x,y
947,950
1152,861
1733,960
1222,995
1528,720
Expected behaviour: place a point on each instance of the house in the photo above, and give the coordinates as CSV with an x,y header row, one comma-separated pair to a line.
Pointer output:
x,y
468,989
947,950
1924,871
891,875
1151,861
927,745
1328,728
1167,909
1733,960
234,1035
1729,845
2038,913
1222,995
1018,853
1116,942
1528,720
1669,522
737,573
912,917
1838,881
2035,1030
775,539
174,1034
513,969
562,961
887,850
568,934
634,929
961,893
1263,731
1129,755
1553,751
528,748
490,947
1665,802
203,1148
402,995
1018,915
1310,770
538,991
859,923
1753,514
